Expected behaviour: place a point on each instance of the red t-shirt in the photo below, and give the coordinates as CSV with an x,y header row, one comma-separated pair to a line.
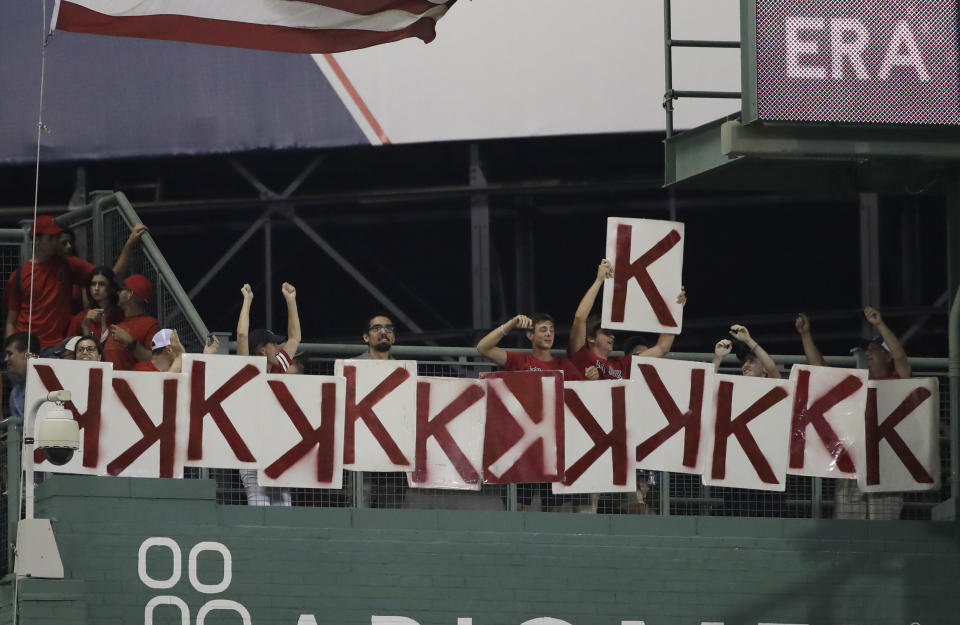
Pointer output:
x,y
53,282
616,368
146,366
114,315
517,361
142,328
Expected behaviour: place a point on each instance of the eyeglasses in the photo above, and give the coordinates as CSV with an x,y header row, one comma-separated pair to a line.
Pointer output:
x,y
381,328
90,349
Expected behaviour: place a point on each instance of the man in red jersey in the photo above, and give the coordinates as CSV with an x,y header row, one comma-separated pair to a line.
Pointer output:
x,y
541,333
130,340
590,345
52,277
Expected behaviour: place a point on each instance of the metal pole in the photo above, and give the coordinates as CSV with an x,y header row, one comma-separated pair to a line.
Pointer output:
x,y
668,68
480,242
152,252
96,213
953,332
869,255
268,270
13,484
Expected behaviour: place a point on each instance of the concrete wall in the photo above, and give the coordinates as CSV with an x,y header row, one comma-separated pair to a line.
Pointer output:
x,y
342,566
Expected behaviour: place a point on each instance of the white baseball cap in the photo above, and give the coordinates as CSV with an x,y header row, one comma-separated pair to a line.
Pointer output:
x,y
162,338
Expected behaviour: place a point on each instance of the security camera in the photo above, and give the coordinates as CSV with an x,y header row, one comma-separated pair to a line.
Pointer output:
x,y
58,436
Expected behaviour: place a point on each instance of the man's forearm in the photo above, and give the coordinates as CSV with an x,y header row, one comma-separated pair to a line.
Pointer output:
x,y
810,350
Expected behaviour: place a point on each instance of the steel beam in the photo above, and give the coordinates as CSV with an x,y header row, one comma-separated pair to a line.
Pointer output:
x,y
479,242
869,256
347,266
230,253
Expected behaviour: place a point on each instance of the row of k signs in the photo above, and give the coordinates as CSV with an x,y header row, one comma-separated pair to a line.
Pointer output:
x,y
530,426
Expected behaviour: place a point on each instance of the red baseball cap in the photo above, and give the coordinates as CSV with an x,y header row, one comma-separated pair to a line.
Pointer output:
x,y
139,284
45,224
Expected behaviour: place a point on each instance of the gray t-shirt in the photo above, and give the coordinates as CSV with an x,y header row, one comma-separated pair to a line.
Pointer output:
x,y
366,356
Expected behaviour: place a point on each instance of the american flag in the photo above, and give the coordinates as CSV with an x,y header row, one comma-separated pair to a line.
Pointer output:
x,y
307,26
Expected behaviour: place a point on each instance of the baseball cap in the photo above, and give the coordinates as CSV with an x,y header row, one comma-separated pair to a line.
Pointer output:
x,y
139,284
162,338
741,351
45,224
261,337
876,340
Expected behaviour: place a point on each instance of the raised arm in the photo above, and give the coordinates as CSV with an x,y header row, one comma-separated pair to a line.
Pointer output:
x,y
740,333
122,266
243,322
814,357
665,342
293,320
578,332
177,348
488,344
721,349
900,361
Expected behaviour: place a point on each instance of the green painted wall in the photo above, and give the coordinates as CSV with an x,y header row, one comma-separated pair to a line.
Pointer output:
x,y
342,566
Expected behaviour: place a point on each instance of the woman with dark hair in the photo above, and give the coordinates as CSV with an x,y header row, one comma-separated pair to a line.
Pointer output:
x,y
103,311
88,348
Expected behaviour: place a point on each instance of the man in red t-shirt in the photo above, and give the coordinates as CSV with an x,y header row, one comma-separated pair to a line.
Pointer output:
x,y
590,345
52,277
130,340
540,333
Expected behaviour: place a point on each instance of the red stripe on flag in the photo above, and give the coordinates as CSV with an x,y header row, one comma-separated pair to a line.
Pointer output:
x,y
372,7
355,96
235,34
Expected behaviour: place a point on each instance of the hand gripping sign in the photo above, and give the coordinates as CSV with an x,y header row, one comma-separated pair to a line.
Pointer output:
x,y
451,416
828,408
224,410
647,257
523,441
599,437
900,447
380,414
304,415
673,402
751,433
87,382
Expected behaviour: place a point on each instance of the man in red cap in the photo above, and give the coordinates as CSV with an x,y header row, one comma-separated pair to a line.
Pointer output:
x,y
52,274
130,340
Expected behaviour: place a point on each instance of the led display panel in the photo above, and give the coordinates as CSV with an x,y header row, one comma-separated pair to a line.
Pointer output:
x,y
857,61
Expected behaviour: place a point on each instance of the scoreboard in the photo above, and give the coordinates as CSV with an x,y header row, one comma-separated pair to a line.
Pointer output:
x,y
851,61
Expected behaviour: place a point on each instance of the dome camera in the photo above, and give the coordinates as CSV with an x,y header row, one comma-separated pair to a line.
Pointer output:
x,y
58,437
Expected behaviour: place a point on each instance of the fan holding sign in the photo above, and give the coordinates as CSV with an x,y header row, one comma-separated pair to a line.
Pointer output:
x,y
591,343
647,257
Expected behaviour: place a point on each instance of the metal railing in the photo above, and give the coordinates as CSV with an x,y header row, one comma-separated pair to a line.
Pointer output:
x,y
669,43
101,229
660,493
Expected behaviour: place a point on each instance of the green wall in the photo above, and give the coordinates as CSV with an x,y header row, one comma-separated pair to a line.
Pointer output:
x,y
342,566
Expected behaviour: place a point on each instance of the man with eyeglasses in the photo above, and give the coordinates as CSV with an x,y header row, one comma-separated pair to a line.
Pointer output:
x,y
387,490
379,334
